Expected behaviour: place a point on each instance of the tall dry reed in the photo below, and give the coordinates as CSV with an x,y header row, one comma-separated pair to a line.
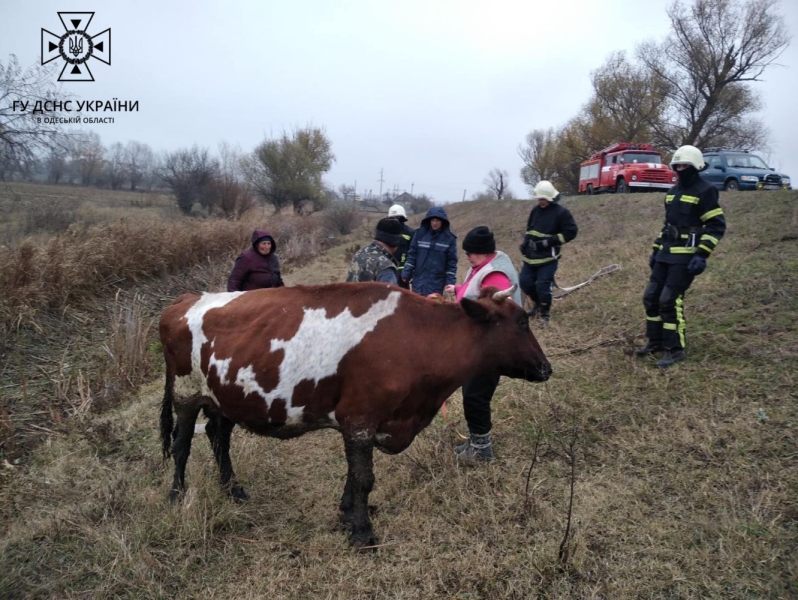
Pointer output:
x,y
86,262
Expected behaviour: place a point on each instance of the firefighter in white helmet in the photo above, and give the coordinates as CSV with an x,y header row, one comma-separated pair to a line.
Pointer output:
x,y
397,211
549,226
694,224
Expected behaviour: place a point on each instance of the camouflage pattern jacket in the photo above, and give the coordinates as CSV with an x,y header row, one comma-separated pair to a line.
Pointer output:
x,y
373,263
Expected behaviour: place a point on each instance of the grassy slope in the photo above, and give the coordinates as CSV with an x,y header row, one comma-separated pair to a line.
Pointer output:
x,y
686,480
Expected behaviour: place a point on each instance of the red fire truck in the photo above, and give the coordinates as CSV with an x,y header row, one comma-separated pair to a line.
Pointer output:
x,y
625,167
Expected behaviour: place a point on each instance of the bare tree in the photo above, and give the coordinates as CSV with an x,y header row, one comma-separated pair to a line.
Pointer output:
x,y
228,194
189,173
24,135
88,155
115,166
139,159
497,183
288,170
347,191
715,48
57,165
627,100
539,156
152,175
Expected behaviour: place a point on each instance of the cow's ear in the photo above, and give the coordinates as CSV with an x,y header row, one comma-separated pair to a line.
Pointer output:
x,y
475,310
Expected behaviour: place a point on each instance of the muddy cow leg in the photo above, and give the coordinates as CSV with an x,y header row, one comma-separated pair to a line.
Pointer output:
x,y
181,448
219,430
359,457
347,499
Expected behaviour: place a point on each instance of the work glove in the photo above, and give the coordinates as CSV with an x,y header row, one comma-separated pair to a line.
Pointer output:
x,y
547,242
527,247
652,260
697,265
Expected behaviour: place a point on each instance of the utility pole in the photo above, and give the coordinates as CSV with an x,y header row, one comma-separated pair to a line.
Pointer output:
x,y
381,180
464,195
411,188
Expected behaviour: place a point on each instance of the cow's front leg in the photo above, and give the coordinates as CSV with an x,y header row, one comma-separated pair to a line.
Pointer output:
x,y
359,482
219,430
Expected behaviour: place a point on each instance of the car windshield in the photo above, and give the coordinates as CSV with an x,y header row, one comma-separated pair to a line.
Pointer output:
x,y
640,157
745,161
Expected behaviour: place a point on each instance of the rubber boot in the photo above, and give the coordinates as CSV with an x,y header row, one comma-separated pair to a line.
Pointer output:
x,y
670,357
479,449
649,348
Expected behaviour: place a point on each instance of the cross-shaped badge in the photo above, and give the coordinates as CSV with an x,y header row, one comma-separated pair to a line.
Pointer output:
x,y
76,46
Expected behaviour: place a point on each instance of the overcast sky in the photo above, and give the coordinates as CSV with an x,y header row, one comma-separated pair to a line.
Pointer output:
x,y
436,93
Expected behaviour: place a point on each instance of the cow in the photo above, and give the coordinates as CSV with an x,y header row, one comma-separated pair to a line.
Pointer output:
x,y
371,360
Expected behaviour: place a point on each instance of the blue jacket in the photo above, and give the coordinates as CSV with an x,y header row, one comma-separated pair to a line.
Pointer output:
x,y
432,258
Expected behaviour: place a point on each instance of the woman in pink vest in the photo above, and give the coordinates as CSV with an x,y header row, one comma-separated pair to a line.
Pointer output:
x,y
489,268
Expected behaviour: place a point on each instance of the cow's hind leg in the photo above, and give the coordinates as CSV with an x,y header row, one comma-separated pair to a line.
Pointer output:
x,y
181,447
347,499
219,430
359,482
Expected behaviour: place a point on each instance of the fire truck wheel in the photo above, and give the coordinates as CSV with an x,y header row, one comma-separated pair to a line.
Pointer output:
x,y
589,190
621,188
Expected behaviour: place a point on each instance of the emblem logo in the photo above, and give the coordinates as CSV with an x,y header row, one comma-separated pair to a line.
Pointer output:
x,y
76,46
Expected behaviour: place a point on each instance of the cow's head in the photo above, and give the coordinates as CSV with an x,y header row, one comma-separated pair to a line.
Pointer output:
x,y
509,344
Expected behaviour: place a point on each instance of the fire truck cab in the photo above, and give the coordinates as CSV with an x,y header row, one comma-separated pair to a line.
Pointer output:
x,y
624,167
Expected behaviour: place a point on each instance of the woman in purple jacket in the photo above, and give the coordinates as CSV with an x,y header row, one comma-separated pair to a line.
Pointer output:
x,y
257,267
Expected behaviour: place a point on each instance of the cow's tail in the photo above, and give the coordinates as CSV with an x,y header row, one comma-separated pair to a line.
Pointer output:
x,y
167,419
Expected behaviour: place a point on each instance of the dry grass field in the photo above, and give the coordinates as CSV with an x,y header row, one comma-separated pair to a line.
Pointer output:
x,y
685,481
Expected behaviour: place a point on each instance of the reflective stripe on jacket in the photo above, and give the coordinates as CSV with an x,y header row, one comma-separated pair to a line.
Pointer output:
x,y
555,223
694,223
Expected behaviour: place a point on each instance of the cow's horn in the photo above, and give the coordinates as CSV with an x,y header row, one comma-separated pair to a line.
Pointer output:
x,y
504,294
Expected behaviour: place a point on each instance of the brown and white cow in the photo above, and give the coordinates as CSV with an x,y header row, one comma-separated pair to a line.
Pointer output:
x,y
371,360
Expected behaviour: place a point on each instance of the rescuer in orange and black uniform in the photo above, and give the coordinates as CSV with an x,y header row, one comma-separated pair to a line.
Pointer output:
x,y
694,224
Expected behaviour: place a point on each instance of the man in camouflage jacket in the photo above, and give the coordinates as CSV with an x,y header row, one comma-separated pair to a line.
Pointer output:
x,y
376,262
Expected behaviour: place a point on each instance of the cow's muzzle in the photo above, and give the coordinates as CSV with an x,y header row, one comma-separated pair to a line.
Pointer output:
x,y
545,371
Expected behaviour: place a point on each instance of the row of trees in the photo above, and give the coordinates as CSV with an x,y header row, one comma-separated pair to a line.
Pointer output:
x,y
286,171
692,88
82,158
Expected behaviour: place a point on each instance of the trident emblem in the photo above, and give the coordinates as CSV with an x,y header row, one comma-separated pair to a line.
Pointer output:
x,y
76,46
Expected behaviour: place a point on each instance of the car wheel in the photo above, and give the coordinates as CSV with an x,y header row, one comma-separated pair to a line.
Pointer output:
x,y
731,185
589,190
621,188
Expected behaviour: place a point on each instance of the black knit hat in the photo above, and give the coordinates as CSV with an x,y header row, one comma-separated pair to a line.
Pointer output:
x,y
479,241
389,231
